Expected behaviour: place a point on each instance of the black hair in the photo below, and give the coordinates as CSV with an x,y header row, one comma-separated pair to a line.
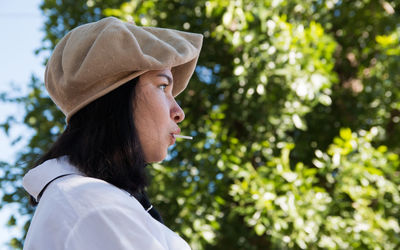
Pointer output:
x,y
102,142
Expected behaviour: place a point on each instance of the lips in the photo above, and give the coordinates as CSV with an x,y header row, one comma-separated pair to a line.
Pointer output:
x,y
172,140
175,132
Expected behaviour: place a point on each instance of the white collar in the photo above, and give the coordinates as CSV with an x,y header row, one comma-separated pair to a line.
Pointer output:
x,y
37,178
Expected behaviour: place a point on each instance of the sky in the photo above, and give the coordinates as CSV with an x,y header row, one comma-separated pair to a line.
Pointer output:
x,y
20,23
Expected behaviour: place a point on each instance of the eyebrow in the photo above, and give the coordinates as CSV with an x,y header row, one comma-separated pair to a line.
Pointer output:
x,y
166,76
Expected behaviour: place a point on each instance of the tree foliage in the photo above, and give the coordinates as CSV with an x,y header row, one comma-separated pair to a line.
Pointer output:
x,y
295,110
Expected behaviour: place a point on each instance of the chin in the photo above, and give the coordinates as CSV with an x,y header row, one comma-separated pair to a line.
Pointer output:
x,y
156,158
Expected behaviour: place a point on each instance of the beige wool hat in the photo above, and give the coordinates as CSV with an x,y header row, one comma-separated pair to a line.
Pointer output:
x,y
96,58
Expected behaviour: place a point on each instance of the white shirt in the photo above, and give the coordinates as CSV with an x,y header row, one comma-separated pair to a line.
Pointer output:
x,y
79,212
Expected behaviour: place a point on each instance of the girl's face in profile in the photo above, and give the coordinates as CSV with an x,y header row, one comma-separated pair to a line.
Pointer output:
x,y
156,114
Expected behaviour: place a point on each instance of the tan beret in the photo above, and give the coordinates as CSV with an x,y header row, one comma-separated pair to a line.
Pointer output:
x,y
96,58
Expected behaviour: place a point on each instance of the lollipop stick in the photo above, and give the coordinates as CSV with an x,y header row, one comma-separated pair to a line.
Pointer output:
x,y
184,137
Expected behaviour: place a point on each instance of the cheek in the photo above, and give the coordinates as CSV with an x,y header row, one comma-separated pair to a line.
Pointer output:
x,y
151,114
158,109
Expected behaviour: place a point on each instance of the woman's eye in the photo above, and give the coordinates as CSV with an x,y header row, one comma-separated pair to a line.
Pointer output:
x,y
163,86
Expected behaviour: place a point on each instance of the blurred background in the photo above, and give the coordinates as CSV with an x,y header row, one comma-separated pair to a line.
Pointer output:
x,y
294,107
21,22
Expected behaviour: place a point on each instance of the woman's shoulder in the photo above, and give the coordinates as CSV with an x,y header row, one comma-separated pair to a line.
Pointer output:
x,y
82,192
58,184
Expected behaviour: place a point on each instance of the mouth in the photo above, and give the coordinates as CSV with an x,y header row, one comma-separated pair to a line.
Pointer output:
x,y
172,139
173,133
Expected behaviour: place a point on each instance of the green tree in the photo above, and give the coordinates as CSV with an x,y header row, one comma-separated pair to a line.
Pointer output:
x,y
279,89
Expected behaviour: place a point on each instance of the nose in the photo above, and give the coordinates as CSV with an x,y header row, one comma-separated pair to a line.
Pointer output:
x,y
177,113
